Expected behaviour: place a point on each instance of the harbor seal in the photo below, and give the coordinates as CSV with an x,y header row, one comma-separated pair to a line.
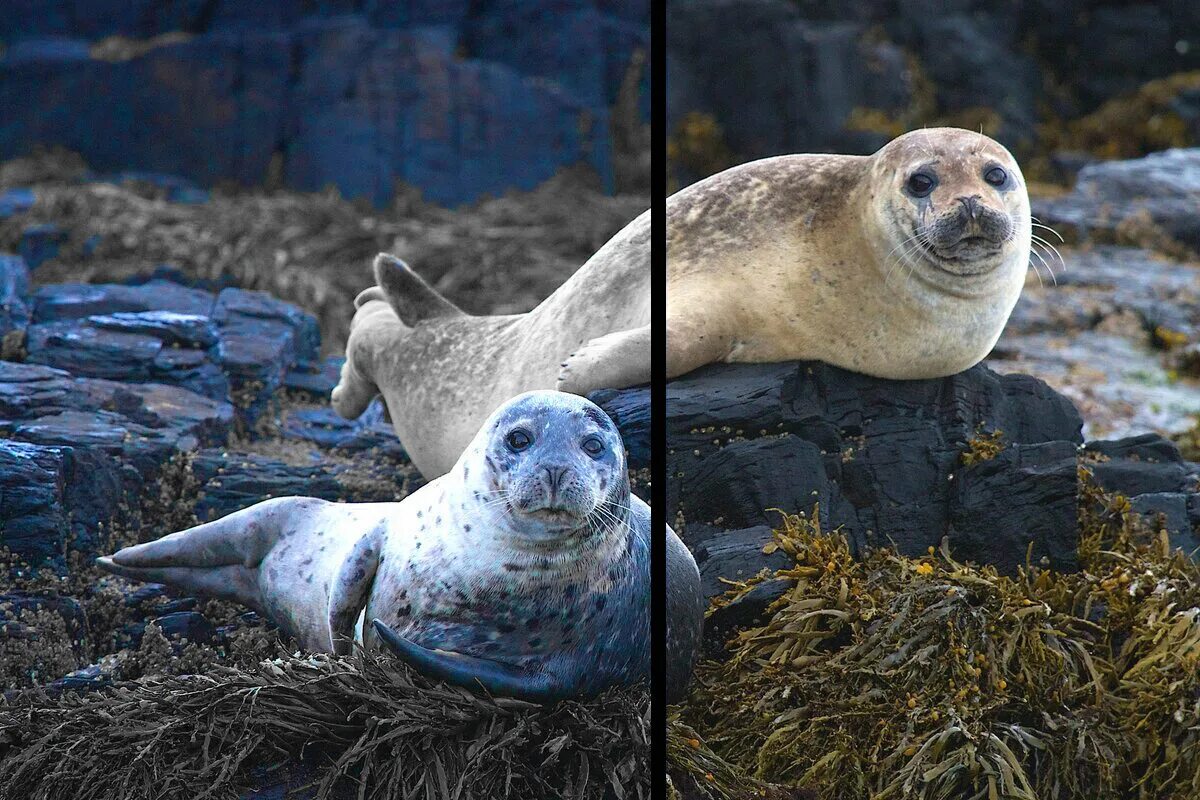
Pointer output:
x,y
524,569
441,371
904,264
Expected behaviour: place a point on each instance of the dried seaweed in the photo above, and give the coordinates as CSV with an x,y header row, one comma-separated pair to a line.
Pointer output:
x,y
896,677
373,728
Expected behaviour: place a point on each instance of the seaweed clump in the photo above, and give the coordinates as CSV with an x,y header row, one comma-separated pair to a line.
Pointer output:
x,y
364,726
892,677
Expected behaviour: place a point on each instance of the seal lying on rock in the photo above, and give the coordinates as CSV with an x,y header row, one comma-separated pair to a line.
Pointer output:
x,y
525,568
441,371
904,264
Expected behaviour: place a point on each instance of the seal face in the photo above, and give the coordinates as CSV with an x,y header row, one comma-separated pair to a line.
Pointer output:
x,y
525,569
544,534
904,264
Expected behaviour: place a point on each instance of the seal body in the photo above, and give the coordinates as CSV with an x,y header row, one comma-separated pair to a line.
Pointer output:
x,y
905,264
524,569
441,372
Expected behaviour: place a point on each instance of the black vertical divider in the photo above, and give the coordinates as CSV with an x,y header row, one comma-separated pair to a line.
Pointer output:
x,y
658,431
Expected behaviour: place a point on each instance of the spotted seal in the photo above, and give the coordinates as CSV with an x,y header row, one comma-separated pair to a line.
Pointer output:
x,y
441,371
524,569
904,264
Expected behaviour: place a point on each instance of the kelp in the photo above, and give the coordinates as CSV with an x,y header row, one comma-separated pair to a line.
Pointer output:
x,y
897,677
364,726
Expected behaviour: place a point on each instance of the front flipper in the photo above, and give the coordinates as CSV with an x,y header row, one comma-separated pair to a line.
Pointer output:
x,y
463,670
350,589
615,361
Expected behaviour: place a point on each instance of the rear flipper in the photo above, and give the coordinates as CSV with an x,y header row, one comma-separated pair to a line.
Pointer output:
x,y
615,361
265,557
462,670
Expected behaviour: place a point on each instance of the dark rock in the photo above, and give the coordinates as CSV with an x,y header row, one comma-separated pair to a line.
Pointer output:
x,y
317,381
1146,464
736,556
190,625
40,243
323,427
1019,506
33,520
745,612
233,481
630,410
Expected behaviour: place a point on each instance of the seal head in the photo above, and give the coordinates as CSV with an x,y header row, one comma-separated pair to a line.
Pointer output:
x,y
554,554
951,207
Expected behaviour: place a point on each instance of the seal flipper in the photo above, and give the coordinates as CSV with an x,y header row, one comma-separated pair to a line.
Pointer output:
x,y
413,300
462,670
350,590
615,361
217,559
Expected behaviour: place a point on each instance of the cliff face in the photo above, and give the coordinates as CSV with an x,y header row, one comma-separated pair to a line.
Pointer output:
x,y
458,99
752,78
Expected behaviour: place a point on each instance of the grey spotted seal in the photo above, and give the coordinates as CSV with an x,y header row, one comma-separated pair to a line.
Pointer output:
x,y
904,264
441,371
524,569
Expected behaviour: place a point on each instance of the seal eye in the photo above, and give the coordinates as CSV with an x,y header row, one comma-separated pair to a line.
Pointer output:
x,y
593,446
518,440
920,184
996,176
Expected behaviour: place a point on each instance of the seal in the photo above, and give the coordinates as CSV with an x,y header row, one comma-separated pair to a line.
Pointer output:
x,y
441,371
525,569
904,264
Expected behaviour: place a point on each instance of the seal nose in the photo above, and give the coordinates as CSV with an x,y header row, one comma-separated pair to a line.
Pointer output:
x,y
970,205
555,475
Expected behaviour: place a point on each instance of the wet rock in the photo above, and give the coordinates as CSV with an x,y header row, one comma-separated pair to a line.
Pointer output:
x,y
12,605
240,307
731,556
745,612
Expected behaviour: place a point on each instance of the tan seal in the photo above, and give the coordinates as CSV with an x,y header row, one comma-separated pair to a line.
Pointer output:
x,y
904,264
442,372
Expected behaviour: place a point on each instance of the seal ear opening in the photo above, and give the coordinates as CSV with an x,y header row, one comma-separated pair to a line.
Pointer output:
x,y
413,300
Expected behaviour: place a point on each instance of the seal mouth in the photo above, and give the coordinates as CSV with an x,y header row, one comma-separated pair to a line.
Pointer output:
x,y
969,257
554,515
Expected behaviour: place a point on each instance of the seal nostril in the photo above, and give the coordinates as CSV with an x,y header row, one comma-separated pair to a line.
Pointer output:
x,y
970,205
555,476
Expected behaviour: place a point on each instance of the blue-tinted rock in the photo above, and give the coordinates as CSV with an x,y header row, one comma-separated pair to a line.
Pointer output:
x,y
630,410
40,243
315,380
190,625
14,294
235,307
233,481
16,201
325,428
91,352
169,327
33,520
77,300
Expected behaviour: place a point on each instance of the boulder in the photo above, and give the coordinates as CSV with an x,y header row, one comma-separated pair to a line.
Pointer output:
x,y
1153,198
987,462
40,243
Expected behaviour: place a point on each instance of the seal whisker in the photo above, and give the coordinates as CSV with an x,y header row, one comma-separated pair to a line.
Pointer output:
x,y
1039,240
1035,254
1037,223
